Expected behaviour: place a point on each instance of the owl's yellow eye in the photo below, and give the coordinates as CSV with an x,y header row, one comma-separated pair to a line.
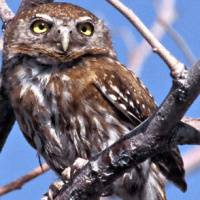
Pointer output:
x,y
40,26
86,28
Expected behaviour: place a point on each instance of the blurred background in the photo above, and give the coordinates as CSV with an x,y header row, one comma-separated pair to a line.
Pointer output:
x,y
18,158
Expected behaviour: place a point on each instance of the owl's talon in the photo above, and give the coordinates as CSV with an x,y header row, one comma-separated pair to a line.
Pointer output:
x,y
53,191
70,171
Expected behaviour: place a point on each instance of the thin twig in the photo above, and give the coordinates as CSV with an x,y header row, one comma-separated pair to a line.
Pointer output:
x,y
179,40
174,65
194,122
17,184
139,54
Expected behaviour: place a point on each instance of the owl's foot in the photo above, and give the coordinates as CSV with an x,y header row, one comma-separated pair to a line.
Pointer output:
x,y
70,171
66,176
53,190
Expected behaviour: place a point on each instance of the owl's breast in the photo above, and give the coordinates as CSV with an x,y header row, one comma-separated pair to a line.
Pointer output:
x,y
62,118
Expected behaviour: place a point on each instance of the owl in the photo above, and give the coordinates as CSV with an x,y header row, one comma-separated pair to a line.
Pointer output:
x,y
72,98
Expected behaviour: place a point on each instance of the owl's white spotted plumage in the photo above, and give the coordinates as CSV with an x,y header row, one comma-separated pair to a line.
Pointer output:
x,y
72,98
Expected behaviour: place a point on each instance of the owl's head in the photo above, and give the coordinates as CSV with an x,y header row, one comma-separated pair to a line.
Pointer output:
x,y
58,32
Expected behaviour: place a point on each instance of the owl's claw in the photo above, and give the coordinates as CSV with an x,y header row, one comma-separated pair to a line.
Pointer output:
x,y
70,171
66,176
53,191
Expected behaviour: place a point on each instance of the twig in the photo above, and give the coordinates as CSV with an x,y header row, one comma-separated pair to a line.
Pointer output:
x,y
179,40
167,13
175,66
17,184
195,122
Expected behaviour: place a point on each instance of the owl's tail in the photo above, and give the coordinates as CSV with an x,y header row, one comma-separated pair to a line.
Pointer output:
x,y
141,183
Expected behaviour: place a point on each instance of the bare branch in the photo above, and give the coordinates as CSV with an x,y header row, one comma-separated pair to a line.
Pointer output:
x,y
17,184
179,40
195,122
192,159
175,66
167,14
5,13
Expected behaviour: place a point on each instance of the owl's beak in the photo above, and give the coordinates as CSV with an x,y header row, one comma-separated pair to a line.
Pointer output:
x,y
64,38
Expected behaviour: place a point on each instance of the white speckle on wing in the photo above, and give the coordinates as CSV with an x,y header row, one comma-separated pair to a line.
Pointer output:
x,y
137,118
113,97
128,92
104,89
131,104
105,76
137,101
115,88
122,106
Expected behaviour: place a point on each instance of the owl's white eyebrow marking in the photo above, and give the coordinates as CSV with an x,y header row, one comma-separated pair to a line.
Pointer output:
x,y
47,17
84,18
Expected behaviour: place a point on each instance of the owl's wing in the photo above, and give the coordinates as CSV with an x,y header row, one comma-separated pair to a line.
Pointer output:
x,y
128,94
7,117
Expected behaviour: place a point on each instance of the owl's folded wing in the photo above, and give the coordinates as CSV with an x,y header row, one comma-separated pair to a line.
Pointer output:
x,y
128,94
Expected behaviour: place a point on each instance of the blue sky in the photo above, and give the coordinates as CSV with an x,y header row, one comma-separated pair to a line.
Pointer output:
x,y
18,158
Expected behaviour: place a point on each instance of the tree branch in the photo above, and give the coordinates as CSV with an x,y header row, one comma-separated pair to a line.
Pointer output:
x,y
155,134
17,184
5,13
174,65
167,13
179,40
